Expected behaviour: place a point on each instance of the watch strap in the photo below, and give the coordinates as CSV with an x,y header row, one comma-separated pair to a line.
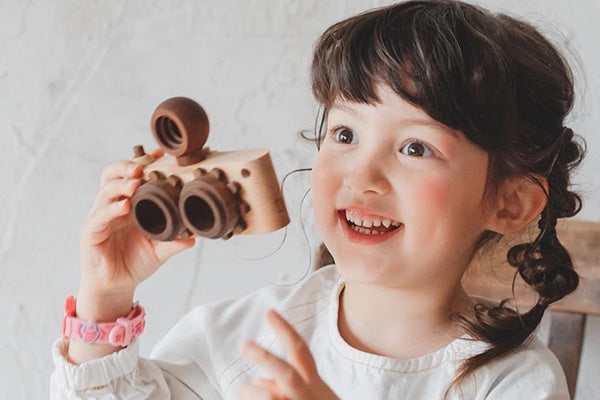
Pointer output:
x,y
120,333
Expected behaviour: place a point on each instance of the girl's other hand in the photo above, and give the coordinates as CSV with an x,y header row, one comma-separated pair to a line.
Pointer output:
x,y
115,256
294,379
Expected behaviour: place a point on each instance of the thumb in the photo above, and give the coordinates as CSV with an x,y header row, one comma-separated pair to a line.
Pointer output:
x,y
166,250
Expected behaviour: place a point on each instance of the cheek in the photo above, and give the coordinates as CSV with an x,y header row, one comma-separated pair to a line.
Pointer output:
x,y
325,173
321,183
445,205
434,197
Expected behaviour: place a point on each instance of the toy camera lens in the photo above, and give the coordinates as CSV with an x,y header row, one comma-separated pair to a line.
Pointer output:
x,y
168,132
150,217
199,213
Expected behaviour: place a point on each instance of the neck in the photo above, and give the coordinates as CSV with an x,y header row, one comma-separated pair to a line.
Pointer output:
x,y
400,323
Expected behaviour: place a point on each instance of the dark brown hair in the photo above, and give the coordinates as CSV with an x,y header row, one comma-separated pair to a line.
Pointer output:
x,y
508,89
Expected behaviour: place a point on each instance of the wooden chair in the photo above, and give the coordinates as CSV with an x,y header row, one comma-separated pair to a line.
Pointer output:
x,y
491,279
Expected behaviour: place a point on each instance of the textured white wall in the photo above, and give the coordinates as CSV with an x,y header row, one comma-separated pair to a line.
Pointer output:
x,y
78,83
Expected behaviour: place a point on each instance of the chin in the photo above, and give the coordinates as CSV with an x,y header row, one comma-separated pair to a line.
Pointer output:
x,y
365,272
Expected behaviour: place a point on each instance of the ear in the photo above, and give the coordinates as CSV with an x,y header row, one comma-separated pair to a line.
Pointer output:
x,y
520,200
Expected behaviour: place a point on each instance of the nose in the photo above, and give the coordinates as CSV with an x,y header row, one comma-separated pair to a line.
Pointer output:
x,y
367,177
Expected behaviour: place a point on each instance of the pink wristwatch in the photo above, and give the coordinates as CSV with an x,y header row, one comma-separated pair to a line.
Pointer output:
x,y
120,333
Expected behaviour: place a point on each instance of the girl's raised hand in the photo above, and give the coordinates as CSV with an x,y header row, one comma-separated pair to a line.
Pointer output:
x,y
294,379
114,254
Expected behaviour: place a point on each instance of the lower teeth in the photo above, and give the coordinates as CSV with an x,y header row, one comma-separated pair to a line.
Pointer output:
x,y
366,231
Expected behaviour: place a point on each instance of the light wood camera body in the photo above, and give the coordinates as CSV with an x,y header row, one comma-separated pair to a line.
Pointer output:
x,y
194,191
252,169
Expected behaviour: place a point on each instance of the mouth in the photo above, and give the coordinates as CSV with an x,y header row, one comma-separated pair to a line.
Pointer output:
x,y
367,229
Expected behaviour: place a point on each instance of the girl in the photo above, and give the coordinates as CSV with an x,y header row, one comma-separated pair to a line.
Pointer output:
x,y
444,131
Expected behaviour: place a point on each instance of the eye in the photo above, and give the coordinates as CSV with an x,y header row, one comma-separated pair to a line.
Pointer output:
x,y
417,148
342,134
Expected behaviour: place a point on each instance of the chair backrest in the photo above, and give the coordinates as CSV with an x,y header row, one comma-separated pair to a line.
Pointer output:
x,y
491,279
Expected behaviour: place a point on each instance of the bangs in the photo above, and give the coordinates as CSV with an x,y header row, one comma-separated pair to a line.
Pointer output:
x,y
352,57
435,55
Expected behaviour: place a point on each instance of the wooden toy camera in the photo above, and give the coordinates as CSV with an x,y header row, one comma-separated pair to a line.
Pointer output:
x,y
202,192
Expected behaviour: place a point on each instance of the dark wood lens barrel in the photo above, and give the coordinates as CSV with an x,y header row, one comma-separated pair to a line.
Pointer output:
x,y
180,126
208,207
155,208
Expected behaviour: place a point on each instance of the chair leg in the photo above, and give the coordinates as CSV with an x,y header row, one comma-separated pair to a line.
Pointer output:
x,y
566,340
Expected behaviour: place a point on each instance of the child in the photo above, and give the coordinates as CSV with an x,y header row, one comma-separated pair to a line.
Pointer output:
x,y
444,130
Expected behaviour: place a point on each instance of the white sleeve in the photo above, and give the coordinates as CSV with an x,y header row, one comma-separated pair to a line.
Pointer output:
x,y
197,359
533,373
125,375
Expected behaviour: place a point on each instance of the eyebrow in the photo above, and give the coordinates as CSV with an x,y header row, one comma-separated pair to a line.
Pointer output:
x,y
408,121
431,123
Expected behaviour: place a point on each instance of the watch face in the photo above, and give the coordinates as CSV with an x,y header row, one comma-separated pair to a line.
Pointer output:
x,y
89,332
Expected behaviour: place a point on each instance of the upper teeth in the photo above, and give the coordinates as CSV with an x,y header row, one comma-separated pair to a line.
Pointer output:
x,y
369,221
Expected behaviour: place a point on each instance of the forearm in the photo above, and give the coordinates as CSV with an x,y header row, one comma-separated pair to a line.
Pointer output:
x,y
100,308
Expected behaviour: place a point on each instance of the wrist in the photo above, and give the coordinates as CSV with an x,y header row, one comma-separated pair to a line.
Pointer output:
x,y
103,307
94,286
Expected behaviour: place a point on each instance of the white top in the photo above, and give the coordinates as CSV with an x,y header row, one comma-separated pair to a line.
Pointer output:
x,y
199,359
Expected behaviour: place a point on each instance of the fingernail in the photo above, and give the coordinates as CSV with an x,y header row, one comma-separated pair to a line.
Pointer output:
x,y
270,314
247,347
133,169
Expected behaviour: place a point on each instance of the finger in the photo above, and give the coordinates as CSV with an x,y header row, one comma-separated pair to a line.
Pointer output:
x,y
119,170
298,352
268,384
116,190
125,168
98,225
286,377
166,250
255,392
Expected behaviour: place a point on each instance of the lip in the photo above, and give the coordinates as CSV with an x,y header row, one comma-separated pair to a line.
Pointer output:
x,y
360,238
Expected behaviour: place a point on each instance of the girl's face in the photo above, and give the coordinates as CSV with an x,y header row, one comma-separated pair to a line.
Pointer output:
x,y
391,161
